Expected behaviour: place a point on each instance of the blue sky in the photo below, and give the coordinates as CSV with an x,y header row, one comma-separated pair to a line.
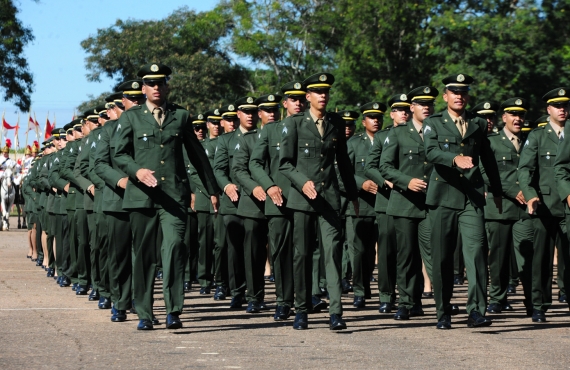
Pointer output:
x,y
56,59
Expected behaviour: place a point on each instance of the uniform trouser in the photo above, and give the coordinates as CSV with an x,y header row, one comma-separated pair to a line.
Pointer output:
x,y
306,225
83,248
236,265
101,235
206,248
505,236
413,238
561,273
39,230
255,256
458,263
93,250
347,248
281,249
319,272
220,252
72,240
192,245
50,231
513,269
119,259
145,224
548,232
62,244
364,237
387,253
446,223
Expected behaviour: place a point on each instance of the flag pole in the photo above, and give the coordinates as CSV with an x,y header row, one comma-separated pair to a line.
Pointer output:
x,y
28,128
16,139
2,130
37,129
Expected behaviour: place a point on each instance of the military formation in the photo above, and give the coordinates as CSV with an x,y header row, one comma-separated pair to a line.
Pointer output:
x,y
138,190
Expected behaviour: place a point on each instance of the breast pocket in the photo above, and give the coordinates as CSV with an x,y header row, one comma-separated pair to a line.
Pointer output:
x,y
446,142
547,158
360,163
145,140
504,161
411,155
306,148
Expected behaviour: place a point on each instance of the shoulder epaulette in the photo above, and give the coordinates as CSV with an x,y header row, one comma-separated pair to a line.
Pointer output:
x,y
254,131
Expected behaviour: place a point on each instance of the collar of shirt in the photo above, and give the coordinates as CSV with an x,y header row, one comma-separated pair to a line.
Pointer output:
x,y
315,117
243,130
371,137
417,125
510,135
454,117
151,106
555,127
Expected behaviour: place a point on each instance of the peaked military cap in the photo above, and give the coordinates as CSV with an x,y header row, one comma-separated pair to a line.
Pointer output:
x,y
294,88
68,128
557,96
515,104
77,124
398,100
542,121
423,94
373,109
458,82
213,115
101,110
114,99
269,101
228,111
349,116
55,133
246,103
319,81
154,72
131,89
486,107
91,113
200,120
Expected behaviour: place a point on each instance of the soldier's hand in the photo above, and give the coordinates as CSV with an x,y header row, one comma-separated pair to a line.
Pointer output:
x,y
390,185
417,185
356,207
215,199
274,193
66,188
258,193
520,197
192,201
123,183
499,203
463,162
309,190
232,192
370,186
91,189
54,190
532,205
568,200
146,177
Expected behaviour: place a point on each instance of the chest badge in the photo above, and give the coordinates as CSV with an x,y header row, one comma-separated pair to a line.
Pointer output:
x,y
145,139
446,146
306,151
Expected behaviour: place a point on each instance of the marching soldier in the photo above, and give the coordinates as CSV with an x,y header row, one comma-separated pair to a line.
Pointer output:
x,y
399,109
488,111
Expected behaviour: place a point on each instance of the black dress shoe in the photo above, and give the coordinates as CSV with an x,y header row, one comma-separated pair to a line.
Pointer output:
x,y
385,307
58,280
346,287
94,296
133,309
237,301
373,279
427,294
74,287
323,292
159,275
39,262
458,279
119,316
173,321
104,303
282,313
155,320
263,306
416,311
511,289
50,272
476,320
444,322
187,286
220,294
253,307
272,278
65,282
562,298
359,302
81,290
494,308
507,307
454,309
538,316
29,257
402,314
204,291
301,321
318,304
336,322
144,325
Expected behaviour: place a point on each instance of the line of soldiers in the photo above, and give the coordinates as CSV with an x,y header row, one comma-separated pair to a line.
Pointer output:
x,y
137,189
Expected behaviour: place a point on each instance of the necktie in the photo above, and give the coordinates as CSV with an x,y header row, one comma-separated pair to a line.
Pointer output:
x,y
421,132
516,143
321,126
461,126
157,114
561,134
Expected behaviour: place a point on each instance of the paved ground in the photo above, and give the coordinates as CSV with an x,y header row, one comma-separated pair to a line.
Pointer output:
x,y
45,326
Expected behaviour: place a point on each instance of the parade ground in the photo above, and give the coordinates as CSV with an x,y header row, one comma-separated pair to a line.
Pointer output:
x,y
45,326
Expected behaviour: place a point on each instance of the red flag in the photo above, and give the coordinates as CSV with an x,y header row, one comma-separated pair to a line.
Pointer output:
x,y
7,126
32,124
48,129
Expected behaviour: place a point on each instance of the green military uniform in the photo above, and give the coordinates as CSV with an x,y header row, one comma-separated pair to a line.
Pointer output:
x,y
47,210
456,200
146,142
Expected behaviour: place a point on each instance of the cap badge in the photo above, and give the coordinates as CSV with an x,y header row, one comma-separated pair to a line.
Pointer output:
x,y
347,114
231,107
250,100
561,92
200,116
297,85
271,98
154,68
486,105
518,102
135,85
322,78
403,97
427,90
375,106
460,78
216,112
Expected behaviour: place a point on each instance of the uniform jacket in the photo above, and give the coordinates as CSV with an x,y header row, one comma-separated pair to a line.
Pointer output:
x,y
223,163
358,149
562,168
248,205
372,170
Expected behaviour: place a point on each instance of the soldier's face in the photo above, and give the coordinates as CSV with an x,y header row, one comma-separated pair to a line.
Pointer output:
x,y
155,91
456,100
6,155
318,99
112,113
558,112
78,134
421,111
214,129
490,118
372,124
229,125
400,115
200,132
267,116
247,119
128,104
62,144
70,137
514,121
349,131
294,105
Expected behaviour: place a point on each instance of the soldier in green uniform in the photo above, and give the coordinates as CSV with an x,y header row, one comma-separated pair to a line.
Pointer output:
x,y
264,168
488,111
363,240
49,204
536,178
56,218
311,142
223,168
512,228
399,105
404,164
456,142
150,142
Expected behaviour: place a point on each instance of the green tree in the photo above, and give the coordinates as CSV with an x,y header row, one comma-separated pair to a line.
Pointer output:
x,y
16,79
